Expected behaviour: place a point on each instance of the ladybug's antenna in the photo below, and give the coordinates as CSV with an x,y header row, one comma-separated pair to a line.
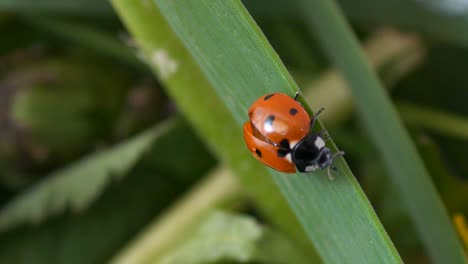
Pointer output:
x,y
318,112
314,118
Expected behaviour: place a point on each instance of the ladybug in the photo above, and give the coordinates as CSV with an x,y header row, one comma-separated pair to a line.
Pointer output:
x,y
279,134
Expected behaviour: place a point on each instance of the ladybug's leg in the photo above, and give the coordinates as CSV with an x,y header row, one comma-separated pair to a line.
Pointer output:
x,y
337,155
332,167
296,96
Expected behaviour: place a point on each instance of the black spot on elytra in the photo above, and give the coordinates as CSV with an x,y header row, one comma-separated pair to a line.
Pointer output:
x,y
269,120
268,96
293,111
259,153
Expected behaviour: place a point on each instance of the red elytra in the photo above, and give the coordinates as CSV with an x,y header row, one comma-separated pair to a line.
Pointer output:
x,y
275,119
277,116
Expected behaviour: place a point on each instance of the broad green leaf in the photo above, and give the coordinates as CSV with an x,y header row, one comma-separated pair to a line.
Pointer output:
x,y
223,236
175,67
386,131
240,66
77,185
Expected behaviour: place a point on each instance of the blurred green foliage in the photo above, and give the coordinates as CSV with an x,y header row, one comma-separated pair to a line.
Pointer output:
x,y
71,86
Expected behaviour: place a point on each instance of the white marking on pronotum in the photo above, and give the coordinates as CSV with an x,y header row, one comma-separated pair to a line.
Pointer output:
x,y
311,168
319,143
165,64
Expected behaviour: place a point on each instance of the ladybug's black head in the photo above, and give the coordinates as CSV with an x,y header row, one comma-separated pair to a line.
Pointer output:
x,y
311,154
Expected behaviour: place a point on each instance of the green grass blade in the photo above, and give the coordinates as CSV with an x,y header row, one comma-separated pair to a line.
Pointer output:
x,y
175,67
77,185
442,122
241,66
398,53
413,15
386,131
417,16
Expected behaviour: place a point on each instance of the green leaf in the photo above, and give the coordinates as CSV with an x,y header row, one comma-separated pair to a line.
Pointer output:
x,y
438,121
224,236
176,68
65,7
218,188
413,15
241,66
386,131
453,189
77,185
123,209
388,51
408,14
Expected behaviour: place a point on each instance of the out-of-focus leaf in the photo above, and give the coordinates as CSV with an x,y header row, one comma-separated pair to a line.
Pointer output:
x,y
386,132
389,51
438,121
124,208
78,184
86,36
440,84
223,236
384,195
64,104
64,7
408,14
218,188
453,189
